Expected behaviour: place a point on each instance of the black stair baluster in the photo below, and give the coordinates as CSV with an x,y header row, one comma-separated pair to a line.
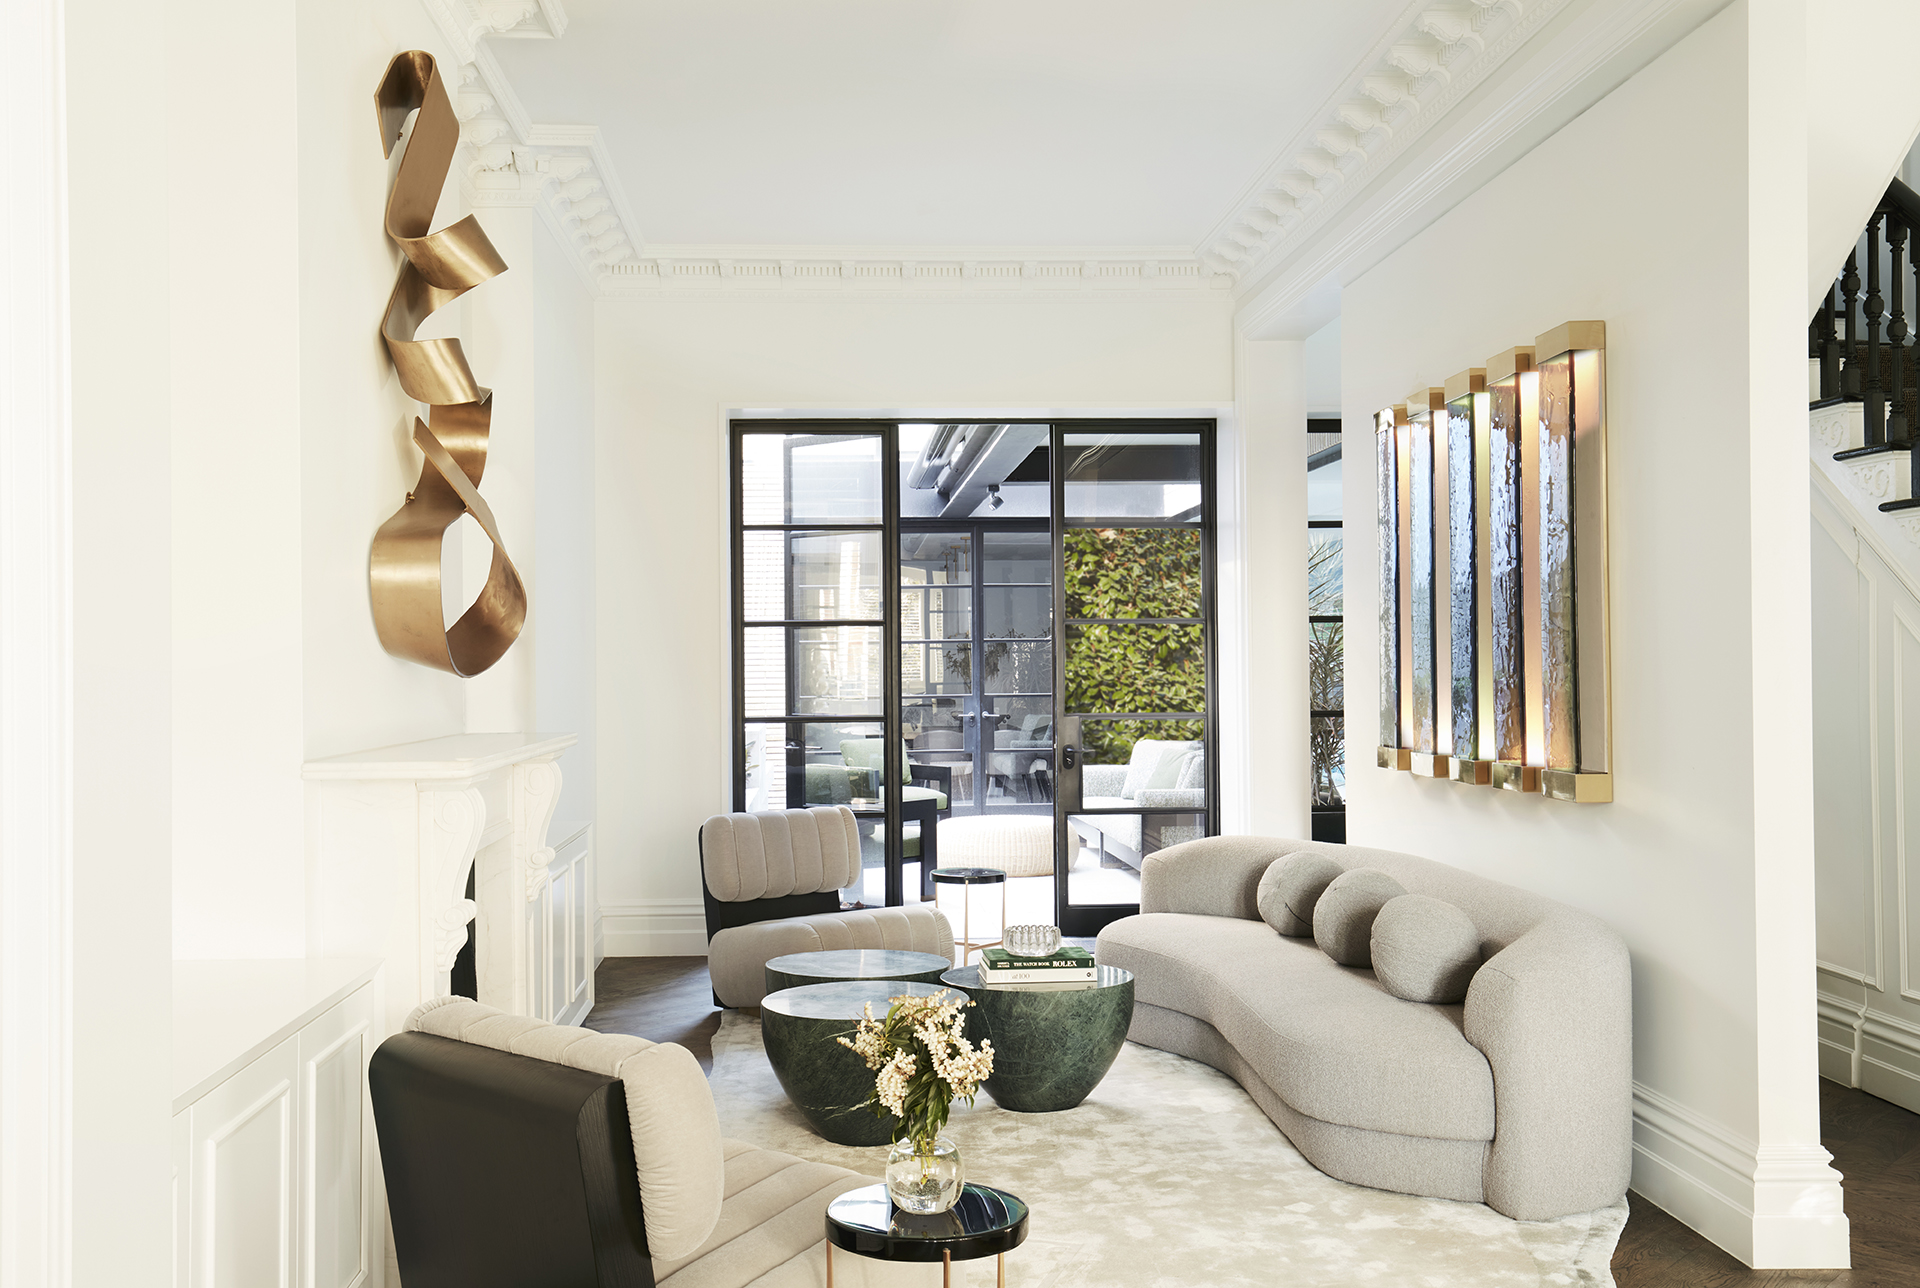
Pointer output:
x,y
1897,328
1829,348
1849,293
1871,391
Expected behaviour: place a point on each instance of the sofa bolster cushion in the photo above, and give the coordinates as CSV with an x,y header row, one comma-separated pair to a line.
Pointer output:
x,y
1424,950
1343,917
1290,889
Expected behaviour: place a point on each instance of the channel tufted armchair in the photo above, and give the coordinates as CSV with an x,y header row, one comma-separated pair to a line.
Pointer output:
x,y
773,883
521,1153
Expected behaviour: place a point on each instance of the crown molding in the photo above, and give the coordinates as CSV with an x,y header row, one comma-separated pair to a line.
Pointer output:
x,y
1596,46
1408,82
465,23
1344,187
931,269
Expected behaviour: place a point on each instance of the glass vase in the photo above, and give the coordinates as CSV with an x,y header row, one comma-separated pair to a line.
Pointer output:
x,y
922,1178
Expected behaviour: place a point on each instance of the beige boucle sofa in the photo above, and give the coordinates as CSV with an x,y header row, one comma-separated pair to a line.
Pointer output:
x,y
1520,1098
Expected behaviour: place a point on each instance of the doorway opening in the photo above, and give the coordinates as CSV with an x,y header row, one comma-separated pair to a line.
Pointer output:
x,y
993,642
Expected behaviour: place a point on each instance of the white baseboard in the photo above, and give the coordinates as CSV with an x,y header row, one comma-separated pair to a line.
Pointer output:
x,y
655,928
1775,1207
1889,1059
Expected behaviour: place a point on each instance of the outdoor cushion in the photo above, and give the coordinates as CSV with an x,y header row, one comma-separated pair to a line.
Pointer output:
x,y
1425,950
1343,916
1290,889
1146,758
1329,1040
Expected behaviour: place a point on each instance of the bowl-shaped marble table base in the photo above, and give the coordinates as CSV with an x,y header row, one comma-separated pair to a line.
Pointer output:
x,y
827,1083
1052,1047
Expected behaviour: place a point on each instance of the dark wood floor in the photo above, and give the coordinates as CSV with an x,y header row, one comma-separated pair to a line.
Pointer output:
x,y
1875,1145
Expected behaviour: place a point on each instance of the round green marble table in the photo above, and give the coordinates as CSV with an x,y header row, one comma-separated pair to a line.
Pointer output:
x,y
795,970
1051,1046
826,1082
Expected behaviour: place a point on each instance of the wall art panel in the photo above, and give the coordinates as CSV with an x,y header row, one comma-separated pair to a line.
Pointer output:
x,y
1494,631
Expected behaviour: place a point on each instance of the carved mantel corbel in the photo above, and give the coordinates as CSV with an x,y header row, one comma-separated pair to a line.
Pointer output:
x,y
451,822
536,790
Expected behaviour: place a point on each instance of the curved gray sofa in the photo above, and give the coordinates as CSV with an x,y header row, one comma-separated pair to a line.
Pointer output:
x,y
1521,1097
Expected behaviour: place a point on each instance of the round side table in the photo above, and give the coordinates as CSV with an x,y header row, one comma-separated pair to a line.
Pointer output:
x,y
837,965
826,1082
1052,1044
985,1223
966,879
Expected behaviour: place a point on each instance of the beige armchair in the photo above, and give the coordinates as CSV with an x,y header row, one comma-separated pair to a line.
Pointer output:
x,y
773,883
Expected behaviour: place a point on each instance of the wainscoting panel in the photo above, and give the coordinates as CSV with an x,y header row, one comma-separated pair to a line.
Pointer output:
x,y
243,1177
1867,779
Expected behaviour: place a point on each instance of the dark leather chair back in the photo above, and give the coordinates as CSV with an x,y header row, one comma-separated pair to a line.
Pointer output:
x,y
504,1171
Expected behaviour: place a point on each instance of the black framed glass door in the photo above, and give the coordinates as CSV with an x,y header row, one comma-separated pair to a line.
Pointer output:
x,y
1134,596
816,613
999,633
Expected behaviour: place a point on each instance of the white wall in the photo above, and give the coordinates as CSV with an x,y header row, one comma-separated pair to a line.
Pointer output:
x,y
1866,720
291,443
122,728
563,609
357,455
1703,862
670,372
1320,370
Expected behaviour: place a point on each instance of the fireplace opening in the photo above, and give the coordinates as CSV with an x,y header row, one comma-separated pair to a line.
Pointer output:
x,y
466,982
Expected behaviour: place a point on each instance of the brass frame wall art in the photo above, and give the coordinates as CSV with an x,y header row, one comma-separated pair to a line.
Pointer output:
x,y
1521,561
1388,423
404,565
1427,608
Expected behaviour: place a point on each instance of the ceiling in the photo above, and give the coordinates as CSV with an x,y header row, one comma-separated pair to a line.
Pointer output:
x,y
1084,123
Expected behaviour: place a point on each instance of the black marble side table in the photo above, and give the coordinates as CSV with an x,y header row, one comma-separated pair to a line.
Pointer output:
x,y
835,965
827,1083
985,1223
1051,1046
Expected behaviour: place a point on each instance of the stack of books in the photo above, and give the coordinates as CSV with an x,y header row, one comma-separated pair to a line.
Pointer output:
x,y
1063,968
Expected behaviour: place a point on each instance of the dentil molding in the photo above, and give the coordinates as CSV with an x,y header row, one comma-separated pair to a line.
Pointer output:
x,y
1412,78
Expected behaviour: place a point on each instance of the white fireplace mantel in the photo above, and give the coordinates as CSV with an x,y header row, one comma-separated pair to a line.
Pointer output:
x,y
392,834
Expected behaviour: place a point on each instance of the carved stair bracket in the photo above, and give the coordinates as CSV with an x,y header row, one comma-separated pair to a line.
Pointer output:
x,y
536,790
450,826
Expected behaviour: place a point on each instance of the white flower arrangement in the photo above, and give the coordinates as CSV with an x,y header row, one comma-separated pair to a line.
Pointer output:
x,y
923,1062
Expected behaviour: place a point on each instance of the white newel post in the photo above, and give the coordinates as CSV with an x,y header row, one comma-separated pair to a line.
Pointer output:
x,y
392,836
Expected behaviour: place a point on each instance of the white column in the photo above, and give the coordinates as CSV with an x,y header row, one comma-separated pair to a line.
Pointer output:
x,y
36,642
1797,1216
1265,774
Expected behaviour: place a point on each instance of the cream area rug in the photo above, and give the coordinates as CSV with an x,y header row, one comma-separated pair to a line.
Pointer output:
x,y
1169,1174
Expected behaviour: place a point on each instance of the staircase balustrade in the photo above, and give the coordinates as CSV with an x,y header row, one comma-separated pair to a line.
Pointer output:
x,y
1851,368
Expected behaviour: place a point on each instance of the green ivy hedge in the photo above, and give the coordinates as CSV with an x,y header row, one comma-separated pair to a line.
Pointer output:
x,y
1116,574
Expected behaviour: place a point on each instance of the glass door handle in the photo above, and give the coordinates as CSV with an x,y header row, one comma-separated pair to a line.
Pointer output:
x,y
1067,757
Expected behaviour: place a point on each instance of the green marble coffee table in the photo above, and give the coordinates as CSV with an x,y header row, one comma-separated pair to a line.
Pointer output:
x,y
827,1083
796,970
1051,1047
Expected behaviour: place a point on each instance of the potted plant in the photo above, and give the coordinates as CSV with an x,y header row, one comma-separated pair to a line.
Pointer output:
x,y
922,1065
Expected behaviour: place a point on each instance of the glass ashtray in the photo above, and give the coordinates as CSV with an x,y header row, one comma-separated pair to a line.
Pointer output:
x,y
1031,941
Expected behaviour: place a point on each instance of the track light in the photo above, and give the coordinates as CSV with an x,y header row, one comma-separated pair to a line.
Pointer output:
x,y
994,499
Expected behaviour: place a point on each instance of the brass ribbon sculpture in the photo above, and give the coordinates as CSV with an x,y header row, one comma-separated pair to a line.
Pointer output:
x,y
404,569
